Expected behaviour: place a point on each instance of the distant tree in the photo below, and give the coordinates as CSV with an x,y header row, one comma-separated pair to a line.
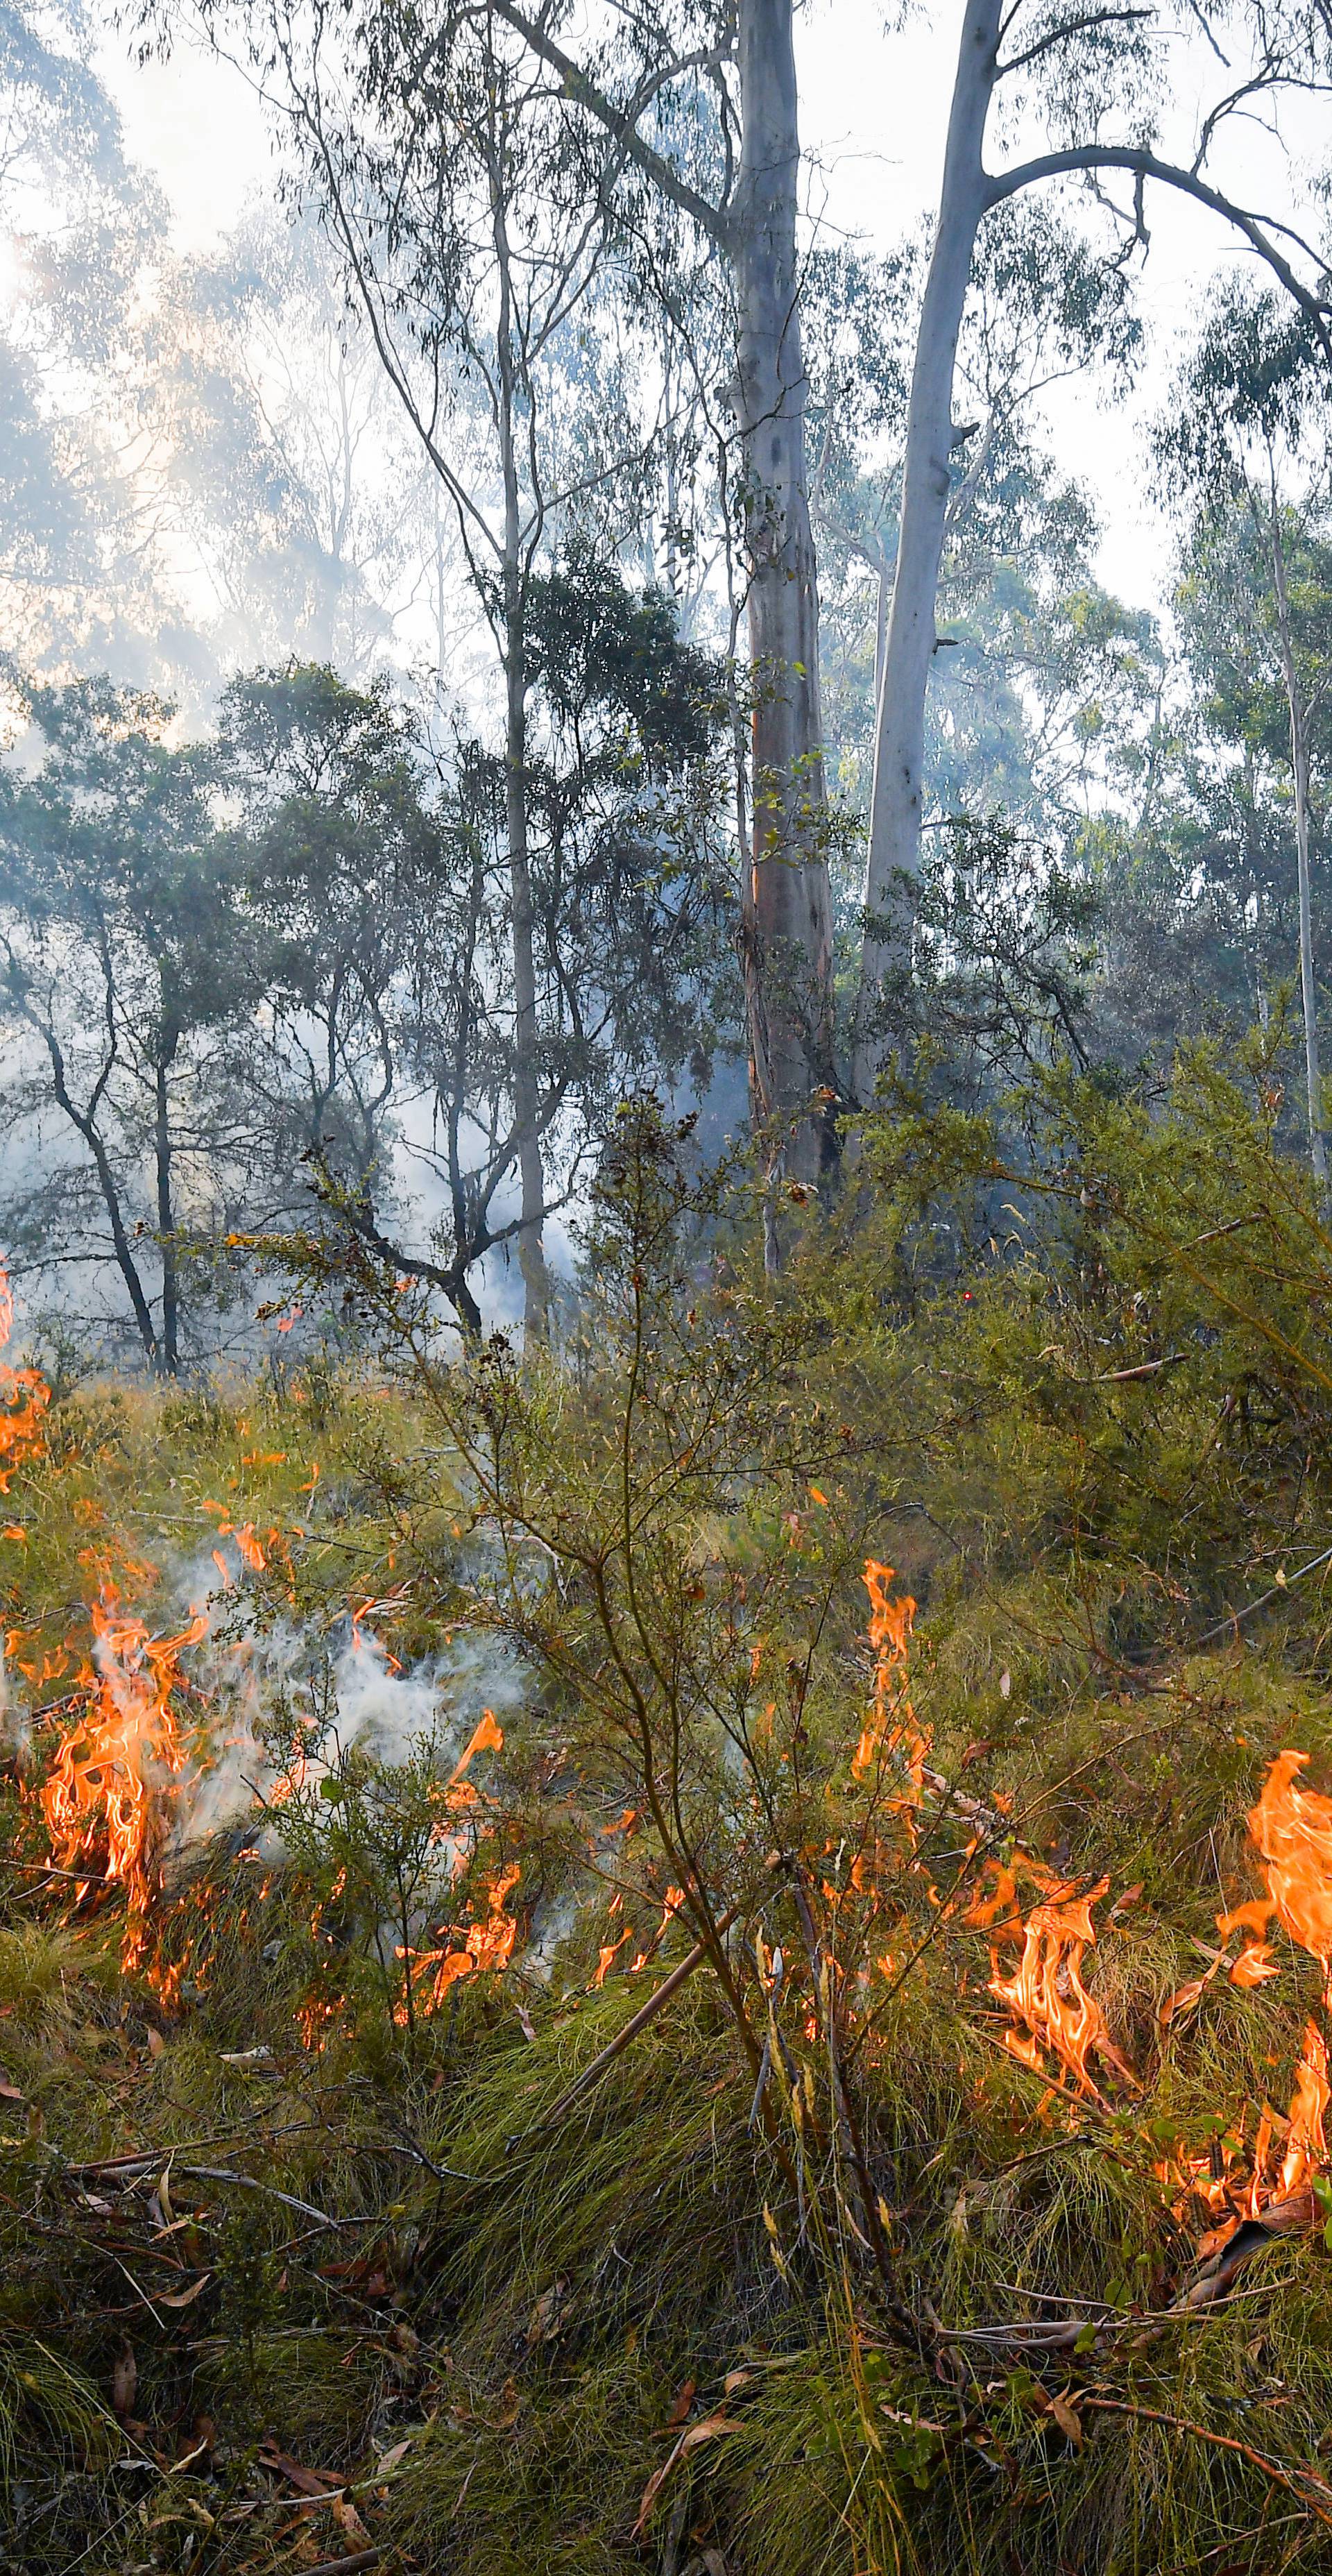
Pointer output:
x,y
1249,437
447,177
123,986
633,956
335,858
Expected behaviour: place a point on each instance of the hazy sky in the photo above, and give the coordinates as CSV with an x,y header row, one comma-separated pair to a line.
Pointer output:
x,y
874,107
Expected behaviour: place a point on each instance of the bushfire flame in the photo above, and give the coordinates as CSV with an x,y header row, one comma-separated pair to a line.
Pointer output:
x,y
107,1799
1292,1828
24,1397
890,1726
1052,2010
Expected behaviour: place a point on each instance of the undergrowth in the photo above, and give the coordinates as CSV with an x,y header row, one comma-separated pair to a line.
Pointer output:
x,y
312,2245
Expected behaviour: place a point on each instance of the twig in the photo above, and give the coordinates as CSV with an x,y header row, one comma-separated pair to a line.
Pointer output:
x,y
1127,1376
1222,2441
47,1869
133,2166
346,2566
1233,1617
638,2021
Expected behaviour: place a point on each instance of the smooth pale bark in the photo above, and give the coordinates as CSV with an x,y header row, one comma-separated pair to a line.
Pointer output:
x,y
899,741
1299,762
788,906
526,1033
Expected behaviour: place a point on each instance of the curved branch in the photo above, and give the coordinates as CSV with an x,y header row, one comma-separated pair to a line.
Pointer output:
x,y
1142,165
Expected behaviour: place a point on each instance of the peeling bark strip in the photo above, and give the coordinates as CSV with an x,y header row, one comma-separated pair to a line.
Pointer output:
x,y
788,909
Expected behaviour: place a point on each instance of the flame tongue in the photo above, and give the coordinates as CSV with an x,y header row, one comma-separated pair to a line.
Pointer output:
x,y
105,1797
891,1728
1306,2145
1293,1830
1046,1994
24,1397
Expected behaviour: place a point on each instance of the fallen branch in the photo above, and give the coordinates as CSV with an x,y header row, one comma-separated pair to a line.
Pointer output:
x,y
132,2168
1291,2216
1221,2441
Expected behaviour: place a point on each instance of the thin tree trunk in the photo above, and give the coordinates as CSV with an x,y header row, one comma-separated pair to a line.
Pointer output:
x,y
531,1173
86,1128
899,744
166,1224
789,904
1299,763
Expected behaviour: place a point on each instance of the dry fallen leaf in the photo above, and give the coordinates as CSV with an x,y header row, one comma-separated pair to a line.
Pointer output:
x,y
1068,2421
349,2520
706,2430
184,2298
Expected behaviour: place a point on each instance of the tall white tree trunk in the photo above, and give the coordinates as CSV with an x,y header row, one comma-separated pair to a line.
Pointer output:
x,y
788,904
899,741
526,1033
1299,764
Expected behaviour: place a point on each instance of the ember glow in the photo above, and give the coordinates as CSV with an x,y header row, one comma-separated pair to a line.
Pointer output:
x,y
107,1801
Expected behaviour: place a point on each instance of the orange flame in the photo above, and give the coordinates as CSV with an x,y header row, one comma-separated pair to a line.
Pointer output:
x,y
891,1725
1046,1994
1293,1830
1306,2145
107,1795
24,1397
488,1944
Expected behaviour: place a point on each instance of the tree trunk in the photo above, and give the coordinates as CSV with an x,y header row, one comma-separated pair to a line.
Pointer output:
x,y
899,743
526,1094
531,1174
788,908
169,1357
1299,764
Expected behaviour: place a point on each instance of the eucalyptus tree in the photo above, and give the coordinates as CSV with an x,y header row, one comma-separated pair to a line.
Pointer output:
x,y
626,819
446,166
75,222
693,116
334,850
1248,437
1037,666
1092,81
123,987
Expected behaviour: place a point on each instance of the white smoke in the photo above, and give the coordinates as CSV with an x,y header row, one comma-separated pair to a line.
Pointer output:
x,y
271,1687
